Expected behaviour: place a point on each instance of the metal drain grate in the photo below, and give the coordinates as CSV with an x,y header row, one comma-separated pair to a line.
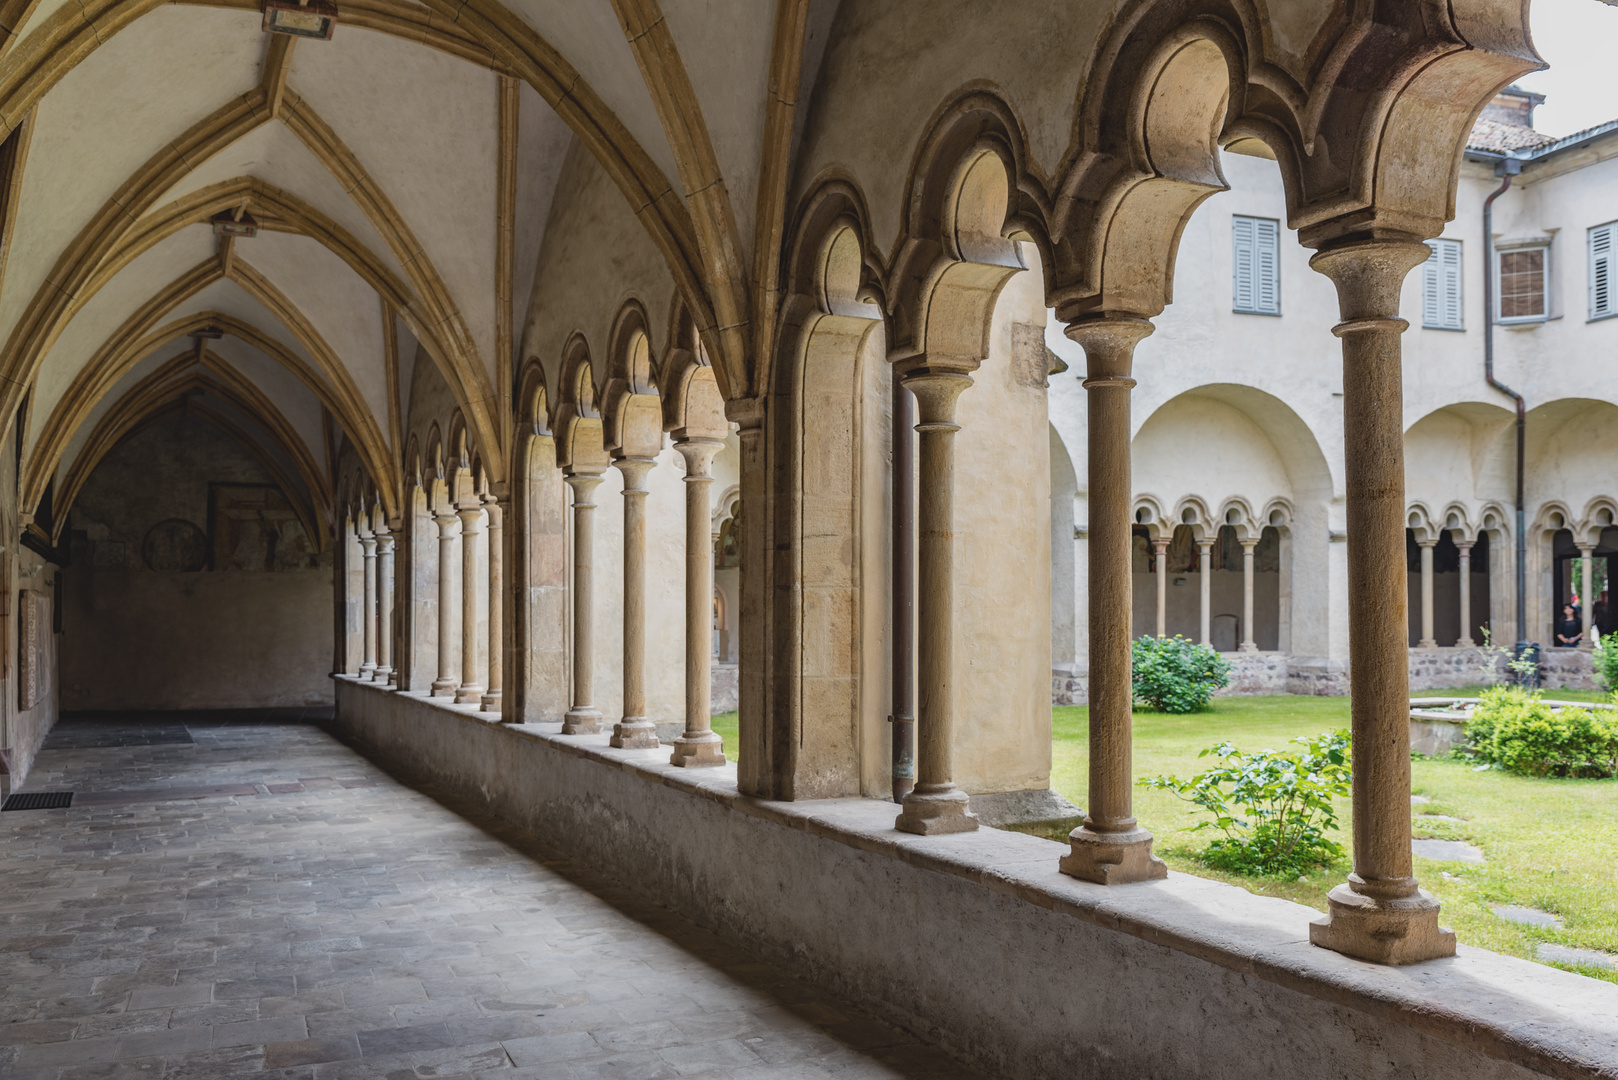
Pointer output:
x,y
38,800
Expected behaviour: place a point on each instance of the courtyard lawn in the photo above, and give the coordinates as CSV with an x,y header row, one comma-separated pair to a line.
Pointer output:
x,y
1549,844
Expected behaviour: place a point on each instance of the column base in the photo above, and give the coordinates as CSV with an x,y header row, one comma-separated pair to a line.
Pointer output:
x,y
1248,646
931,811
490,702
634,733
1427,643
443,689
581,722
1404,930
1112,858
366,671
698,750
469,694
382,675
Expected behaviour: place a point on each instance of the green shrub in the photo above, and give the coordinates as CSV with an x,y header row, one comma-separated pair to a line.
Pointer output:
x,y
1606,661
1278,808
1176,675
1515,729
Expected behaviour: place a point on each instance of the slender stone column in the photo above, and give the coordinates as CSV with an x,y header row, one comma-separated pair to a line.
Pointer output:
x,y
368,609
1205,569
1586,569
935,804
449,567
1465,640
469,692
1110,847
700,745
1249,642
1428,641
634,731
583,718
384,593
1380,914
497,593
1160,548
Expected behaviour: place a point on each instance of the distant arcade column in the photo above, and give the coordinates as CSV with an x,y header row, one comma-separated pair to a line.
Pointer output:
x,y
1465,641
497,595
1160,549
368,608
634,731
1249,641
583,718
384,593
1428,641
471,514
449,531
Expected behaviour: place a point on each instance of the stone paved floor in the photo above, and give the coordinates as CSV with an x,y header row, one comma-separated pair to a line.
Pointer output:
x,y
232,897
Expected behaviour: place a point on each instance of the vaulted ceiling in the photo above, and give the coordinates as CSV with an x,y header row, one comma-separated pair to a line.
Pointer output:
x,y
400,176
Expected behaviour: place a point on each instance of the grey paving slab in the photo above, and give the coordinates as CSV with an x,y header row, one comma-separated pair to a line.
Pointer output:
x,y
312,919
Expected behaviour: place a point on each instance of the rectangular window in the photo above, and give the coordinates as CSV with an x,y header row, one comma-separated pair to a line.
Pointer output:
x,y
1603,254
1257,265
1522,284
1441,286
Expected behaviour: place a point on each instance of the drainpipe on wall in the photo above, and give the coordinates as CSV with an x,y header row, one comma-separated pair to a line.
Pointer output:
x,y
1506,169
904,592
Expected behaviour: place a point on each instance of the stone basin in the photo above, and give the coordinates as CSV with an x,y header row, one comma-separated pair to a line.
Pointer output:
x,y
1438,724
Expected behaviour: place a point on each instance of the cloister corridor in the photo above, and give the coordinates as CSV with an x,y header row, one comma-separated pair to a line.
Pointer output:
x,y
239,893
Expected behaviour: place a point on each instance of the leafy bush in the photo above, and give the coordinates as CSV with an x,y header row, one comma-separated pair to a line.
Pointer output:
x,y
1606,661
1515,729
1176,675
1278,808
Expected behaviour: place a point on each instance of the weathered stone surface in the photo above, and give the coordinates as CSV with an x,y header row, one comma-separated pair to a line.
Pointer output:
x,y
1588,958
1527,916
1447,850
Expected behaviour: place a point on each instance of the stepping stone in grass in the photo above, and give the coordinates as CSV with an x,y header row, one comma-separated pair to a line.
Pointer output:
x,y
1589,958
1447,850
1415,799
1527,916
1437,817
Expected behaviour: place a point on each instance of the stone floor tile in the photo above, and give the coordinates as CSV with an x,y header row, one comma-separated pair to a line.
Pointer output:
x,y
709,1057
312,1051
259,1032
165,997
642,1066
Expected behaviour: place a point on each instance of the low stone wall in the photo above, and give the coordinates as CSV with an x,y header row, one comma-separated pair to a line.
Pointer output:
x,y
1070,684
977,942
1256,673
1567,669
725,686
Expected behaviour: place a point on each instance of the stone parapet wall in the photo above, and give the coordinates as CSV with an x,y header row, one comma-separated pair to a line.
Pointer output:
x,y
1567,669
1256,673
993,953
1070,684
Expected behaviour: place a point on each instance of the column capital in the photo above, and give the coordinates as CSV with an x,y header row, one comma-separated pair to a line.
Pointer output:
x,y
699,455
1160,544
385,543
470,516
1586,551
1206,545
449,523
635,470
1109,346
1369,275
936,391
1247,544
1426,543
1465,545
368,546
583,485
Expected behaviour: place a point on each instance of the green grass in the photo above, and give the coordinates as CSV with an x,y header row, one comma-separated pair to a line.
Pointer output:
x,y
1550,844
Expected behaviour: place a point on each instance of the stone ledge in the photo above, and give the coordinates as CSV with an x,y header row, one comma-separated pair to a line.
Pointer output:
x,y
1479,1003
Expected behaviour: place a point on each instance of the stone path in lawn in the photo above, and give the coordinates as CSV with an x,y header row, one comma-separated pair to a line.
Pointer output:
x,y
232,897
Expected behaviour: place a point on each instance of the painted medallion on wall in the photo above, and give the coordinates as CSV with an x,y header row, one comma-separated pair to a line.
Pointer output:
x,y
175,545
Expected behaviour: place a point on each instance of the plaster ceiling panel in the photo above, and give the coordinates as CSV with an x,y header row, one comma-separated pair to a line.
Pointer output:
x,y
109,115
151,362
273,154
229,298
296,401
589,36
343,309
107,310
43,11
425,126
725,45
542,144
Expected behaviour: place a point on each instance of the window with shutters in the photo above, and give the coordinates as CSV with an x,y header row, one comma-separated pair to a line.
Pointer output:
x,y
1603,272
1257,265
1522,284
1441,286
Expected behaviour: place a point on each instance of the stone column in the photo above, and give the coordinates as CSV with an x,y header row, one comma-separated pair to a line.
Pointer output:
x,y
1465,640
1380,914
469,692
368,608
497,603
935,804
449,567
1249,642
1205,569
384,593
1586,570
1428,641
634,731
583,718
1160,549
699,745
1110,847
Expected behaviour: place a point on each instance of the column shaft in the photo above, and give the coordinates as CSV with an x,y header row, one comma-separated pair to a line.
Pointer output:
x,y
583,718
1428,641
497,604
1465,640
1249,637
368,608
384,592
935,804
1379,914
449,566
1160,548
1205,589
634,731
1110,847
470,691
699,746
1586,594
